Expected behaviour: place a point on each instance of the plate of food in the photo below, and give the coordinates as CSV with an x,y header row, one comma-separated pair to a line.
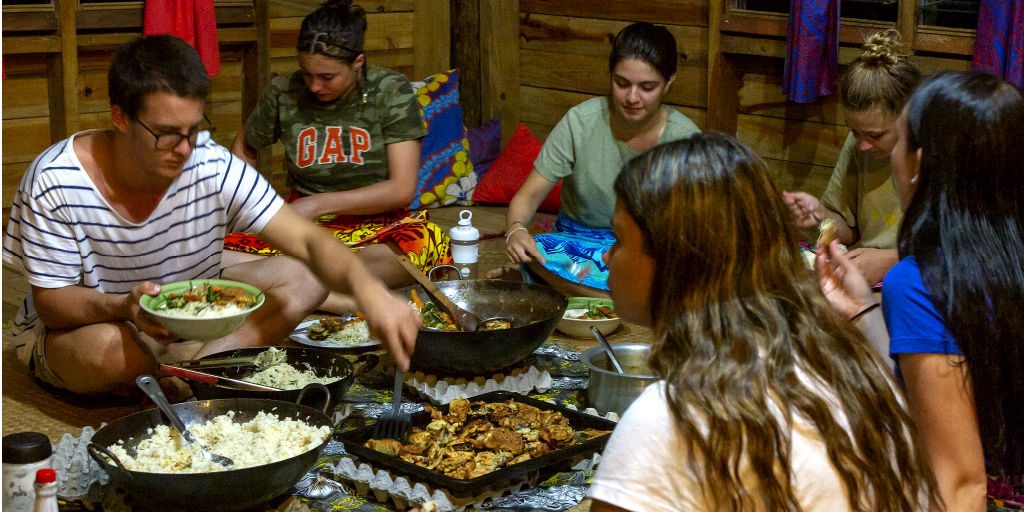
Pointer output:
x,y
584,312
203,309
348,331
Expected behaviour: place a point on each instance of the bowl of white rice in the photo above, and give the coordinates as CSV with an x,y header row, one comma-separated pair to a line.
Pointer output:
x,y
203,309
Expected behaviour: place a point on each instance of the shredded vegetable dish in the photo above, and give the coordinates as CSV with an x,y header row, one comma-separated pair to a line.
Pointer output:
x,y
277,373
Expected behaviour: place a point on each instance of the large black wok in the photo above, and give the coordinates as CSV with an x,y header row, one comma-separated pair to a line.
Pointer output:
x,y
235,489
533,309
325,363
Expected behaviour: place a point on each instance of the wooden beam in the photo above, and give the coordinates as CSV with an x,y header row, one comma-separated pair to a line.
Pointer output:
x,y
62,74
432,28
499,58
256,71
31,44
724,79
466,55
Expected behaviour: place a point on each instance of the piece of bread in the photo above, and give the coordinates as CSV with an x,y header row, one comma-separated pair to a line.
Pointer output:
x,y
827,233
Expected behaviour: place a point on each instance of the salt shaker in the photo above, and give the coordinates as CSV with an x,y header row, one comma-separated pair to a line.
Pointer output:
x,y
465,245
23,454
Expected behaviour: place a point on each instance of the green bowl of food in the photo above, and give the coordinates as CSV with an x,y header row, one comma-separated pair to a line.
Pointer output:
x,y
203,309
585,312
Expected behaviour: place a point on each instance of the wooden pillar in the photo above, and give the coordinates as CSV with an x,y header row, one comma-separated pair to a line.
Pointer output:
x,y
256,72
499,63
62,73
724,77
465,16
432,55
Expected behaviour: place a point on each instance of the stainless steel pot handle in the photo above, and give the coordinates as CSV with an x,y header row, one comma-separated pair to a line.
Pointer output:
x,y
430,273
317,386
96,450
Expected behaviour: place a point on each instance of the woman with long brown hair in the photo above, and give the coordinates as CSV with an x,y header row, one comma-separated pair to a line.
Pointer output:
x,y
771,400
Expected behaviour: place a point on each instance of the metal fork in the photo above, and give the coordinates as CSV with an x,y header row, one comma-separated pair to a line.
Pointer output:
x,y
394,424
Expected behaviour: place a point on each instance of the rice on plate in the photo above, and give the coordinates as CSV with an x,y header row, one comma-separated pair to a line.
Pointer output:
x,y
260,441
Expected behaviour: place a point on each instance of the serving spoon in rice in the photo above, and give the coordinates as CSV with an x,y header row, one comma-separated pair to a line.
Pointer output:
x,y
149,386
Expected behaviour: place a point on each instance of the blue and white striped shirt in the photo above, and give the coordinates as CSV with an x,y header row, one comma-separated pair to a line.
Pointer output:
x,y
63,232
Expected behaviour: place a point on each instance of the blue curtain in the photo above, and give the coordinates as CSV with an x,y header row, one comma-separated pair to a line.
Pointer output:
x,y
813,50
999,45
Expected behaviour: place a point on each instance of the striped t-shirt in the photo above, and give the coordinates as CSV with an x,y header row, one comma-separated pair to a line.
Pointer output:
x,y
63,232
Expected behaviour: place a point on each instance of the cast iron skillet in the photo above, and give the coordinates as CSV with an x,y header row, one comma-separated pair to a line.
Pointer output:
x,y
534,310
236,489
323,362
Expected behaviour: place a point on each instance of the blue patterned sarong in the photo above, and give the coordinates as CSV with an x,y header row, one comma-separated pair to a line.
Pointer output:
x,y
575,249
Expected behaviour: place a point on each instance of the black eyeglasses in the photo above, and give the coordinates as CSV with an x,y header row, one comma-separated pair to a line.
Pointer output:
x,y
169,141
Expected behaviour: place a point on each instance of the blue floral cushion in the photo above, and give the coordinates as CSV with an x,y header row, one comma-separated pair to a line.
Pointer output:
x,y
446,173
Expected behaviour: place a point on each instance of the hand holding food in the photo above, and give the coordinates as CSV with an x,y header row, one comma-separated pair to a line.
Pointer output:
x,y
840,281
143,320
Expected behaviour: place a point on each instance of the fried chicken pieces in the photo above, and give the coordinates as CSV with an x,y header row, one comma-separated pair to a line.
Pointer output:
x,y
474,439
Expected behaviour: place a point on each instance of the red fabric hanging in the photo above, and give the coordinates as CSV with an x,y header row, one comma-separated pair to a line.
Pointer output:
x,y
194,21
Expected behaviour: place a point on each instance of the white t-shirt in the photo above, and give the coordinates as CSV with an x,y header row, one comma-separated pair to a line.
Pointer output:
x,y
63,232
644,468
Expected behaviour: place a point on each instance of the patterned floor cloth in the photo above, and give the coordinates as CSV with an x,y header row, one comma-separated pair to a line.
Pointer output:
x,y
426,243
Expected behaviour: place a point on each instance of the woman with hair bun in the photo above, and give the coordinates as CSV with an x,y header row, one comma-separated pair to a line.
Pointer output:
x,y
860,198
350,134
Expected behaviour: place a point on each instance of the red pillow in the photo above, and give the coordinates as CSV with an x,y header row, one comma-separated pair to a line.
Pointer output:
x,y
508,172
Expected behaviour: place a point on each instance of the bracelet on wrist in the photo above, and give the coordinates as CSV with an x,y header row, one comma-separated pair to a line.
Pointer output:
x,y
513,223
867,309
508,235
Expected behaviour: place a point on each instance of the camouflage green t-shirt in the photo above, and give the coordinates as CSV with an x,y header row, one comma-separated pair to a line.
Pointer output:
x,y
338,145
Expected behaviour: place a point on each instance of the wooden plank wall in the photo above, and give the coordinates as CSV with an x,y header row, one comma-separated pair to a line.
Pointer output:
x,y
390,42
564,47
26,113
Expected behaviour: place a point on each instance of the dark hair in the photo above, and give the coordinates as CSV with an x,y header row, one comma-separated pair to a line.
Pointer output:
x,y
881,76
336,30
653,44
745,326
964,226
152,64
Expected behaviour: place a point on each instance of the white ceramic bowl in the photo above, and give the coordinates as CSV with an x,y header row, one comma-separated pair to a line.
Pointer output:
x,y
202,329
580,328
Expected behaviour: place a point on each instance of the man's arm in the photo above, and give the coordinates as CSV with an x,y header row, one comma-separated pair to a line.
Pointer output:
x,y
389,317
71,307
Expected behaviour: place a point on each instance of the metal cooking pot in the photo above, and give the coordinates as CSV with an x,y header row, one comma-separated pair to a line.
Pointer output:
x,y
610,391
533,309
323,362
235,489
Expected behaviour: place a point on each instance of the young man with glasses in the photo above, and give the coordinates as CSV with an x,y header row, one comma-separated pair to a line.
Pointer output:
x,y
105,216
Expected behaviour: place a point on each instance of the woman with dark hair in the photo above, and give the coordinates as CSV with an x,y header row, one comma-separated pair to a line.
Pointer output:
x,y
859,198
771,400
586,150
954,304
350,134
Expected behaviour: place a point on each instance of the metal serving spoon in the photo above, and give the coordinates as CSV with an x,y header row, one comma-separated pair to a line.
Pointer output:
x,y
149,386
607,348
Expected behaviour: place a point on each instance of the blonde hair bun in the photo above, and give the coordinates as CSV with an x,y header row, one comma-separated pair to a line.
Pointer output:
x,y
883,48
